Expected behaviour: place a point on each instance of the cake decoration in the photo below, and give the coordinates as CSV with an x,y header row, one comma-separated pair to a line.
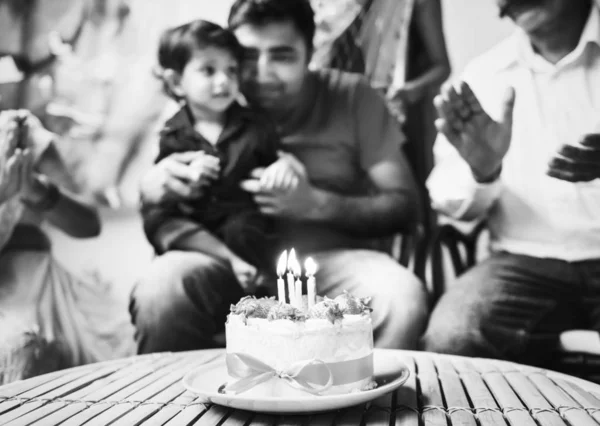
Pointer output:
x,y
299,344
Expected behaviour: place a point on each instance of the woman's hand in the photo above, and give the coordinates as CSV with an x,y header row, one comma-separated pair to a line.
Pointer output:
x,y
245,273
12,175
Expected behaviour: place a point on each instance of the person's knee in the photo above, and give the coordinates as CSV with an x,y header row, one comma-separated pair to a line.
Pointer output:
x,y
451,330
398,293
447,338
164,287
400,309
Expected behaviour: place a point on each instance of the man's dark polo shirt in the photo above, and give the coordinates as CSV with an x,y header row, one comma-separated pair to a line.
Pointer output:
x,y
248,141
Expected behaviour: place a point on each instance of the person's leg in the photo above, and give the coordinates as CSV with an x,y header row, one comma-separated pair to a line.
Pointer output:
x,y
590,296
182,302
398,298
508,307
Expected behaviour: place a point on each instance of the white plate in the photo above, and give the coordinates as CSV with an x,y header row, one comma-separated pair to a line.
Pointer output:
x,y
390,373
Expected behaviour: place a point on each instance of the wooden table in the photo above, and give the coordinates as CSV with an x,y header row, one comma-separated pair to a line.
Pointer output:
x,y
444,390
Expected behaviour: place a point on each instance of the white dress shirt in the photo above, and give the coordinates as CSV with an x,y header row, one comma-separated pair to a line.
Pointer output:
x,y
529,212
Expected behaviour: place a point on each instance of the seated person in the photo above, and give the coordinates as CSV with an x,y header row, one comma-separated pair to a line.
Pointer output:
x,y
523,105
354,187
200,67
79,319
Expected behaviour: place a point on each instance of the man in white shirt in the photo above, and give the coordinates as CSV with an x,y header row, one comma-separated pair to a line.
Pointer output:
x,y
517,147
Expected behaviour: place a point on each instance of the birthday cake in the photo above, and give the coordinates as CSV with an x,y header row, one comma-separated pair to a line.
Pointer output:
x,y
311,345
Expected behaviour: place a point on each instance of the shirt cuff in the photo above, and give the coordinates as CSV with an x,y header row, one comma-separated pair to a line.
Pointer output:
x,y
482,197
455,193
172,231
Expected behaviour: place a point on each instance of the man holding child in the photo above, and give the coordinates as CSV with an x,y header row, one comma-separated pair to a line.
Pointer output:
x,y
349,186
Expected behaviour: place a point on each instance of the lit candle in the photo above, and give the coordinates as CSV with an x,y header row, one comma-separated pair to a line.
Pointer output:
x,y
310,267
290,277
297,271
280,271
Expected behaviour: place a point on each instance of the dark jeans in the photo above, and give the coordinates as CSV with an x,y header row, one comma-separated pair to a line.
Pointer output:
x,y
183,299
515,307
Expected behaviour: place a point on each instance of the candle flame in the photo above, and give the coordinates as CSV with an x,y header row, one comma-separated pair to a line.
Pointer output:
x,y
310,266
293,264
282,264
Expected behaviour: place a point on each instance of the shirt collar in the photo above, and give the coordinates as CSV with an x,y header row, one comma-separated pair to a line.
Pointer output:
x,y
525,54
237,115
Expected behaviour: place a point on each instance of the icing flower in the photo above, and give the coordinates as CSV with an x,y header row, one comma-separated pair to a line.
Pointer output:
x,y
285,311
251,307
352,305
326,309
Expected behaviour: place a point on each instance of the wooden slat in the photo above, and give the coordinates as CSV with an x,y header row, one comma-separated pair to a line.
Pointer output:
x,y
155,404
541,409
171,410
376,416
583,397
63,391
56,412
52,413
486,408
214,416
514,410
406,399
292,420
263,420
188,414
323,419
34,383
431,401
150,390
145,411
384,402
238,418
130,391
569,409
46,388
351,416
454,394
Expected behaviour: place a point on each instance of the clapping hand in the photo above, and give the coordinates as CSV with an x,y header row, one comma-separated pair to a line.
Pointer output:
x,y
480,140
577,163
17,175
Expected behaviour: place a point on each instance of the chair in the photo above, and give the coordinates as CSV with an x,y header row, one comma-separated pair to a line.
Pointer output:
x,y
577,352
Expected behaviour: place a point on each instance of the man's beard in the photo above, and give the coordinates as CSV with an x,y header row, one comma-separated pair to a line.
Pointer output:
x,y
508,6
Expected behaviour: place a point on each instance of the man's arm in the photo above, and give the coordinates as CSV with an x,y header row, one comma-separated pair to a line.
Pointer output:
x,y
393,205
166,228
453,189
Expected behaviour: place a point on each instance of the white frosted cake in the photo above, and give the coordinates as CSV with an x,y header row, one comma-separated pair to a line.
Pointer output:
x,y
276,349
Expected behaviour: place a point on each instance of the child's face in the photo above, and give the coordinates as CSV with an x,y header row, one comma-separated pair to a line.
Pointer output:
x,y
210,79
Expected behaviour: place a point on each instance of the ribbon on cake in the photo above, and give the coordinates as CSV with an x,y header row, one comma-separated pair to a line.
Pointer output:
x,y
313,376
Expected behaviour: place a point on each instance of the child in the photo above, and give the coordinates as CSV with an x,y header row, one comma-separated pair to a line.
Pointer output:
x,y
200,65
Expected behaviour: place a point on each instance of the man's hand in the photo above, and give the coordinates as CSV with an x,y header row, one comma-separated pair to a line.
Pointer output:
x,y
577,163
480,140
298,202
172,178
